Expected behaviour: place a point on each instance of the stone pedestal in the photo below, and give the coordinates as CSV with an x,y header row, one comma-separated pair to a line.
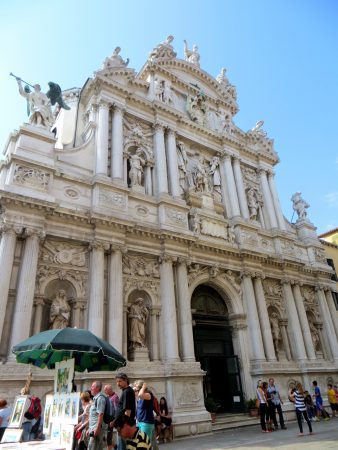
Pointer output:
x,y
139,189
138,354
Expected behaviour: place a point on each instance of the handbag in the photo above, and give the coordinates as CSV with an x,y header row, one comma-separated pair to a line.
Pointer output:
x,y
78,434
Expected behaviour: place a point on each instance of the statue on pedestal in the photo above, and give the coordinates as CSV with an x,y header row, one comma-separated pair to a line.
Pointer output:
x,y
193,55
201,177
39,104
299,205
137,319
253,203
215,178
59,311
136,168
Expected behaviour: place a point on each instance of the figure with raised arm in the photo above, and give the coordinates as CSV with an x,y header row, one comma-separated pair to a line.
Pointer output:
x,y
193,55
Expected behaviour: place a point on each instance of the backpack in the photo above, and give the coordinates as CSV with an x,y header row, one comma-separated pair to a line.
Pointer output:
x,y
109,410
34,410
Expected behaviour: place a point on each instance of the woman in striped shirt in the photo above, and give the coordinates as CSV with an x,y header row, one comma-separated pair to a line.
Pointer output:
x,y
298,398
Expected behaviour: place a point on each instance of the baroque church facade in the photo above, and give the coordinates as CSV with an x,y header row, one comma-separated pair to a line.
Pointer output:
x,y
147,194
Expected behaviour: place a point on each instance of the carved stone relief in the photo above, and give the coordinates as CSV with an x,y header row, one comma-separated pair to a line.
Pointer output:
x,y
31,178
197,108
112,199
273,293
63,253
176,217
195,270
141,266
77,278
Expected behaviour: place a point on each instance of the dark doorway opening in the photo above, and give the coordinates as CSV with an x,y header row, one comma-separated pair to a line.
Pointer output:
x,y
214,350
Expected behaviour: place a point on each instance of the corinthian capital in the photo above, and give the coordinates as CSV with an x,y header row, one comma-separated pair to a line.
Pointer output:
x,y
158,126
34,232
165,257
99,245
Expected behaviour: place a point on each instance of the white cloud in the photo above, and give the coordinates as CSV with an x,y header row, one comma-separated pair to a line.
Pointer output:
x,y
332,199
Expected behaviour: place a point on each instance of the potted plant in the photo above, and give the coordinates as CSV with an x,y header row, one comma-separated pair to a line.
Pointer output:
x,y
212,406
251,405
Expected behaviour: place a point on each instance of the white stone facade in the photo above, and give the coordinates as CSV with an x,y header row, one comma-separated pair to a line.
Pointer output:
x,y
148,189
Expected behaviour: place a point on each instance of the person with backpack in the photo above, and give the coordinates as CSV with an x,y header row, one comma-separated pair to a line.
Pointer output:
x,y
97,429
32,417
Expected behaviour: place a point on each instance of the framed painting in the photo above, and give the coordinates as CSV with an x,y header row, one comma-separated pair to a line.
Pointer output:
x,y
74,408
63,377
21,404
12,435
47,414
55,433
55,406
66,436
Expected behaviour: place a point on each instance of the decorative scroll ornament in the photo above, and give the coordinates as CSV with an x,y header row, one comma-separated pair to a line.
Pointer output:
x,y
163,51
31,178
63,253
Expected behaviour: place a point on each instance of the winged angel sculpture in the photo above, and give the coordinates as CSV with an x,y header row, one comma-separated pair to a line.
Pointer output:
x,y
39,105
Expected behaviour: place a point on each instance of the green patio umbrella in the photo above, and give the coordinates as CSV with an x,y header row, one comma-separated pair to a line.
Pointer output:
x,y
48,347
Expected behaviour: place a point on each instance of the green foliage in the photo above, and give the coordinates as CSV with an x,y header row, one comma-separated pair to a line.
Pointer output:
x,y
251,403
211,404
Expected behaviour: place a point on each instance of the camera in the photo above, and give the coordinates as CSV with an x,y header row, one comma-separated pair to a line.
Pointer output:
x,y
91,434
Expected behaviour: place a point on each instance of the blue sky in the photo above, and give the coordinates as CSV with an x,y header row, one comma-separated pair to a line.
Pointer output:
x,y
281,55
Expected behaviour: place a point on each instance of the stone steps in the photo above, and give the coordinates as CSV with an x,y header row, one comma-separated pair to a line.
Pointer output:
x,y
226,421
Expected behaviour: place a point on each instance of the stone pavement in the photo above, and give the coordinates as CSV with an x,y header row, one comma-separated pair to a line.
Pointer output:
x,y
325,437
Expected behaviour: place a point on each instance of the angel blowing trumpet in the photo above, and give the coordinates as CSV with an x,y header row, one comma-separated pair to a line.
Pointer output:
x,y
39,105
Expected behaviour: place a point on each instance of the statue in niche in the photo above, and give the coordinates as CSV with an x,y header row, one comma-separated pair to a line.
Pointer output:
x,y
59,311
275,330
159,89
215,178
168,93
200,176
253,203
137,319
182,160
299,205
193,55
195,222
137,162
231,234
315,336
197,108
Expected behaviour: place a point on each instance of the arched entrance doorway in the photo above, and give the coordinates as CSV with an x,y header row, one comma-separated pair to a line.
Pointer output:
x,y
214,349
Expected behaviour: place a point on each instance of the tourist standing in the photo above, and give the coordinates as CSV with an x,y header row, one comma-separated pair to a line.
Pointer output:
x,y
263,404
275,403
97,430
5,413
126,405
145,408
298,398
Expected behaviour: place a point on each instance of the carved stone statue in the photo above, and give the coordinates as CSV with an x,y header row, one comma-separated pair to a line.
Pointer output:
x,y
221,77
38,106
253,204
258,130
163,51
275,330
137,319
299,205
59,311
115,60
158,89
201,177
193,55
215,178
315,336
197,108
136,168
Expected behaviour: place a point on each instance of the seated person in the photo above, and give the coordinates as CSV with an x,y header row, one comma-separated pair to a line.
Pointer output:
x,y
164,420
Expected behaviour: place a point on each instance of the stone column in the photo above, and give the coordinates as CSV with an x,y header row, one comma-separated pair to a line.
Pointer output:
x,y
78,306
117,144
240,339
148,179
256,343
294,327
243,204
264,319
96,292
332,309
115,299
174,177
160,160
283,324
231,187
169,321
184,312
39,304
7,250
25,288
304,323
268,204
154,336
327,321
125,332
275,200
102,139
